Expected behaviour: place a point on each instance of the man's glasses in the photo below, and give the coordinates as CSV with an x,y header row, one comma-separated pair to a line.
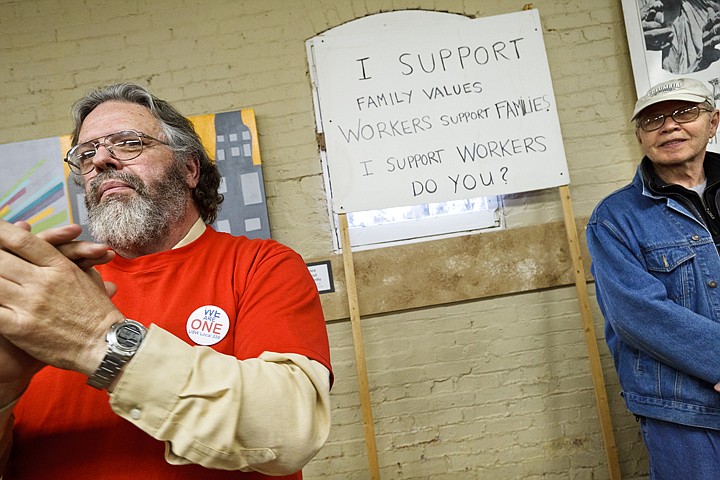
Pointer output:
x,y
681,115
122,146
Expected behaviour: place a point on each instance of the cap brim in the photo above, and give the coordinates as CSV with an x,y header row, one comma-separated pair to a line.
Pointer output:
x,y
682,97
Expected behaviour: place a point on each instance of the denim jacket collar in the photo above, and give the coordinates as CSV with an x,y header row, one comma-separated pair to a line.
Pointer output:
x,y
651,184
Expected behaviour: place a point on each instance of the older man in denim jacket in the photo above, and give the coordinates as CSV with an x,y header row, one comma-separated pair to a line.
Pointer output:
x,y
654,246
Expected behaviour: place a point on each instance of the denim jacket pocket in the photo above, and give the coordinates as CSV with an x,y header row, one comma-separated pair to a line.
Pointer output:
x,y
666,259
673,265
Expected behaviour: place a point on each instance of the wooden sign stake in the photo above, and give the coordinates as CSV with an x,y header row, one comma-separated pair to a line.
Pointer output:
x,y
365,403
590,338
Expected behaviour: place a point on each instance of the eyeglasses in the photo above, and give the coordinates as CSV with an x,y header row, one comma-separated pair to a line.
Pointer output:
x,y
681,115
122,146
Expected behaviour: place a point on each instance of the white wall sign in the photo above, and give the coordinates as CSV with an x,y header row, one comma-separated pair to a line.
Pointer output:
x,y
421,107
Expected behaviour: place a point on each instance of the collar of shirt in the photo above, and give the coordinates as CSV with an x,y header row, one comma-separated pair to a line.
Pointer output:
x,y
193,234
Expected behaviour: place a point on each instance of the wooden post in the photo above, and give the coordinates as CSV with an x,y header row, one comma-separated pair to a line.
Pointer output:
x,y
590,338
365,403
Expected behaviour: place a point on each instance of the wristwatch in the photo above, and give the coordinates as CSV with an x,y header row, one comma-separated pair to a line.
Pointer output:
x,y
124,339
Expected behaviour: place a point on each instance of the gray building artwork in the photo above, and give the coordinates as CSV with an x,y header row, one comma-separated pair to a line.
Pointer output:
x,y
244,211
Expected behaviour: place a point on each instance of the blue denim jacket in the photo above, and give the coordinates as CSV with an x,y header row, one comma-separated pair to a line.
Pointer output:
x,y
657,278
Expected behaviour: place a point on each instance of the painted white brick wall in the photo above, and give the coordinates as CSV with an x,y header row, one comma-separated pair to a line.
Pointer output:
x,y
494,389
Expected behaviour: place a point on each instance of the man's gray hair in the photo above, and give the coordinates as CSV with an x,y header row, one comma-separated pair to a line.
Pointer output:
x,y
177,129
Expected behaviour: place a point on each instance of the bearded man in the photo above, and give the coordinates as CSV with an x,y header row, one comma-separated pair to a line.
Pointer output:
x,y
211,358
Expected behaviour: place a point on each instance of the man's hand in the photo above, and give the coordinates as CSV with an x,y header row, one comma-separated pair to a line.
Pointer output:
x,y
49,307
16,370
651,14
18,367
86,255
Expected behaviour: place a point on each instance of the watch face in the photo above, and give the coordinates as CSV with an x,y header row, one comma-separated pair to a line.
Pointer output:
x,y
129,335
125,337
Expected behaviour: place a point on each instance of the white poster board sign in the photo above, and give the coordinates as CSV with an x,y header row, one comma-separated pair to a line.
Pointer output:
x,y
673,39
421,107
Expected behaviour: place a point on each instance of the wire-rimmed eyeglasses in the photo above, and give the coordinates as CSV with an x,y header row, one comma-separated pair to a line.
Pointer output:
x,y
681,115
122,146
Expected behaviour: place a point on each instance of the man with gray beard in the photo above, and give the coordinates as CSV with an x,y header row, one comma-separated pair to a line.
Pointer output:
x,y
128,223
171,351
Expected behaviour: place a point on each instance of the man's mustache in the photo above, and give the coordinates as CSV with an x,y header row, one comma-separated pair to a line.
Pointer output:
x,y
128,178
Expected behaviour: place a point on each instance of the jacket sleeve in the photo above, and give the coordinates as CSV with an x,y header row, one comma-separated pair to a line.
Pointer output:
x,y
269,414
637,307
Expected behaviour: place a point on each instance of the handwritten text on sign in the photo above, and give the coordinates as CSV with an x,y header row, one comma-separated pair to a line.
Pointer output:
x,y
420,107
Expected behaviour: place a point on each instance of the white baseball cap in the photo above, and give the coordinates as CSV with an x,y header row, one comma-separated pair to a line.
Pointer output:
x,y
685,89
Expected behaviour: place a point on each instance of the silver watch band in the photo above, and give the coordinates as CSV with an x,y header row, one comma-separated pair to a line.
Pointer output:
x,y
108,370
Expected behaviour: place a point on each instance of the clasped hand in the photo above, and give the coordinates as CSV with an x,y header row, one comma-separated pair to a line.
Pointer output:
x,y
54,307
